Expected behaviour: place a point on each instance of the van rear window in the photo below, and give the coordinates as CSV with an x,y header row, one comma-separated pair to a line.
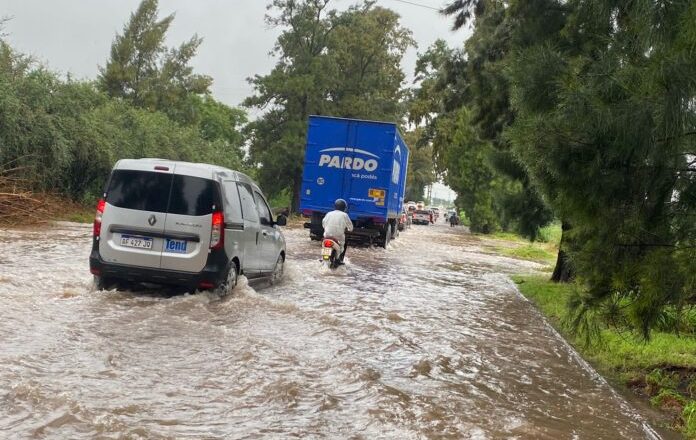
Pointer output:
x,y
151,191
194,196
141,190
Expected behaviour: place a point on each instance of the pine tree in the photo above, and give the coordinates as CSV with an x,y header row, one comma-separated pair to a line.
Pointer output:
x,y
607,128
143,71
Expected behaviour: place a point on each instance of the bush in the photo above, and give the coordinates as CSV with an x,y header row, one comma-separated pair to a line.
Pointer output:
x,y
550,234
689,418
657,380
67,135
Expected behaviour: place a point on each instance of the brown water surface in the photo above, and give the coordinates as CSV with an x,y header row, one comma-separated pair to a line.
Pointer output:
x,y
427,339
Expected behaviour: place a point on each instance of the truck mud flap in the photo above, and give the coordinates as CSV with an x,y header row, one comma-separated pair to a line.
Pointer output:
x,y
362,235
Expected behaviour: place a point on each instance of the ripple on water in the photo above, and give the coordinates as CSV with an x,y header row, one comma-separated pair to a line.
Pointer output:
x,y
426,339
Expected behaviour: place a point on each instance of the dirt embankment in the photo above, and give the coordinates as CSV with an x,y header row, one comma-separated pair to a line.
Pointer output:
x,y
19,206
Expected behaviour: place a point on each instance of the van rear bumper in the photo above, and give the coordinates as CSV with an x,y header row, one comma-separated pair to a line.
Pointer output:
x,y
213,273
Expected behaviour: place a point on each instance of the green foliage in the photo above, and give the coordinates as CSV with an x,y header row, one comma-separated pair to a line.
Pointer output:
x,y
689,417
341,64
621,354
421,171
462,99
550,234
658,379
680,320
605,127
614,349
466,162
530,251
66,135
669,399
464,219
142,70
281,200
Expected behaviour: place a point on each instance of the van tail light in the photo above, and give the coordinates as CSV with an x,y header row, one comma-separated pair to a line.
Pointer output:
x,y
217,232
96,228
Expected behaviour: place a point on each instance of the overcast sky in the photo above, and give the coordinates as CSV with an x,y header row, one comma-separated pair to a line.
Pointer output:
x,y
75,35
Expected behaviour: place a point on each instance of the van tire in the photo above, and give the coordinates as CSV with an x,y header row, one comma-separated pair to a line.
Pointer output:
x,y
230,282
100,283
278,270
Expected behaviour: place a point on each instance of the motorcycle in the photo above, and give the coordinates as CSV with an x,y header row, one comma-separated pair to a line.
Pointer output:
x,y
330,251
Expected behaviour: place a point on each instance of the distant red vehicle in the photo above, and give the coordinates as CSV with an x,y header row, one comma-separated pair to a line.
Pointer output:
x,y
422,217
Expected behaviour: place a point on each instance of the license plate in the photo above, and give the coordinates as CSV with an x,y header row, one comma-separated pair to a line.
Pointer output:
x,y
136,241
326,252
177,246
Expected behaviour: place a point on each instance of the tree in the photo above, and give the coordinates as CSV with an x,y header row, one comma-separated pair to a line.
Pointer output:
x,y
606,127
294,89
65,135
421,171
464,162
464,11
457,87
142,70
340,64
366,46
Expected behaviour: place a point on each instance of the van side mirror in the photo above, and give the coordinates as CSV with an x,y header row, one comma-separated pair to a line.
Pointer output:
x,y
281,220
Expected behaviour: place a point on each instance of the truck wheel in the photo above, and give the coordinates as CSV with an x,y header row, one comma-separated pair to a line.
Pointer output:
x,y
395,231
387,236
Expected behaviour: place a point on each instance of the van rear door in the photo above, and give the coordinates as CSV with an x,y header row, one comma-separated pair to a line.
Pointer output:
x,y
134,216
192,202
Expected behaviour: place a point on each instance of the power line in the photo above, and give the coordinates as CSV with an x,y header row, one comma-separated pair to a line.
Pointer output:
x,y
418,4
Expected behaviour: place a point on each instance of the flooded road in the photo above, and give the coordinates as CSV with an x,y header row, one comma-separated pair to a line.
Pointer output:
x,y
427,339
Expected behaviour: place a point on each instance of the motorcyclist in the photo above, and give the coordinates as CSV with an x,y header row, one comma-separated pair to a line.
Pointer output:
x,y
336,223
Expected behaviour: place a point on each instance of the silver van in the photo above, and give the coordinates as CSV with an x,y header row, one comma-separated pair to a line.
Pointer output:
x,y
187,224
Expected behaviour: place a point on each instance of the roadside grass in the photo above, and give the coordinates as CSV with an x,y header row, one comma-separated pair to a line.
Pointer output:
x,y
78,214
544,250
662,369
539,252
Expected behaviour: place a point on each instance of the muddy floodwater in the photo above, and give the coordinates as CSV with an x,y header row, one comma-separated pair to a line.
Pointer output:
x,y
426,339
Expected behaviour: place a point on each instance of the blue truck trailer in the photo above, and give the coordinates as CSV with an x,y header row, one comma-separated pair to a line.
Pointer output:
x,y
362,162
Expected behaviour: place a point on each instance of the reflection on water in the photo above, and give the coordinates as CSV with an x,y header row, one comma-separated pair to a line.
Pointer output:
x,y
427,339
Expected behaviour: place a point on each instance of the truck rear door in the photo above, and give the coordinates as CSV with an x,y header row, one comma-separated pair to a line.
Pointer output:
x,y
367,181
325,175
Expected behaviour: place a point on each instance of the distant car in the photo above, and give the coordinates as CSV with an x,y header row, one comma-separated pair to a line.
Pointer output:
x,y
186,224
421,217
